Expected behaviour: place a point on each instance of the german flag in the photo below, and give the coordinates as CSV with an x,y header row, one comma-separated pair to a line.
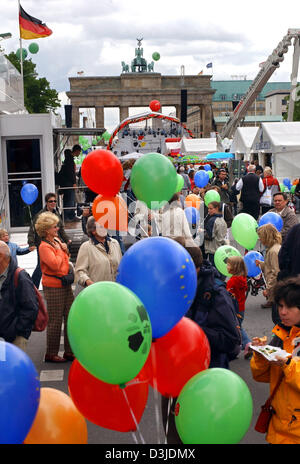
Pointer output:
x,y
32,28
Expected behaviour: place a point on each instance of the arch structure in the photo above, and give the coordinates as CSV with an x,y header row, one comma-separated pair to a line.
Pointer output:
x,y
143,117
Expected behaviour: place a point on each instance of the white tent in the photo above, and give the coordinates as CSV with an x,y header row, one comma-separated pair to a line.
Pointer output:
x,y
198,146
242,142
282,140
134,155
172,147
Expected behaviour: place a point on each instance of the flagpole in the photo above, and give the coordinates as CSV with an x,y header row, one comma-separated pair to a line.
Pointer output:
x,y
21,51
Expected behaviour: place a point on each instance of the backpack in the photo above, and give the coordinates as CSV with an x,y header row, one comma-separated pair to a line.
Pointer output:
x,y
232,303
42,315
221,306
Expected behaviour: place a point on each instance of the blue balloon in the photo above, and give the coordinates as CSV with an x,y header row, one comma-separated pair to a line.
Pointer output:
x,y
271,218
201,179
163,275
249,259
287,182
207,167
19,394
192,215
29,193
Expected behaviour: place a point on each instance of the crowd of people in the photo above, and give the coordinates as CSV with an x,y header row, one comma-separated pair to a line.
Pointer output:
x,y
219,306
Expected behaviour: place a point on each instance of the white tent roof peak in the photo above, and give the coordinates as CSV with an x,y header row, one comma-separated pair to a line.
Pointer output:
x,y
243,139
281,134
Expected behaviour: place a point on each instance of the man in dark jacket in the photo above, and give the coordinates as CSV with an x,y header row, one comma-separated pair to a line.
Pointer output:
x,y
67,178
18,304
222,182
251,187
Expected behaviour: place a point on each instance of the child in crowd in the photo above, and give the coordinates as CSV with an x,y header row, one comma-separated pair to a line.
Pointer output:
x,y
237,286
14,247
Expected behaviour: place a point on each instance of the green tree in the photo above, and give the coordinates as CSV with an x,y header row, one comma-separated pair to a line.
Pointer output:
x,y
38,96
297,106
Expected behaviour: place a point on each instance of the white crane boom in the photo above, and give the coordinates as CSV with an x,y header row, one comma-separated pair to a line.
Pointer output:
x,y
267,69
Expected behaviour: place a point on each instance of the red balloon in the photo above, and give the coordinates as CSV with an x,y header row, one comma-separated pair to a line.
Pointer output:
x,y
105,404
154,105
102,172
178,356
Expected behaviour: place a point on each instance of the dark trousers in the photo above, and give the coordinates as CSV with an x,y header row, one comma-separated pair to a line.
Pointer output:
x,y
252,208
37,273
69,201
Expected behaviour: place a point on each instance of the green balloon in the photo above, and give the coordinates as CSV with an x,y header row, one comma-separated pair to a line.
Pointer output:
x,y
221,255
33,48
214,407
24,53
293,189
211,195
210,174
243,229
110,332
282,187
155,56
153,180
106,136
180,183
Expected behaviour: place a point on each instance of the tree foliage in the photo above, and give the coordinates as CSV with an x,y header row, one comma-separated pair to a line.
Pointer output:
x,y
38,96
297,105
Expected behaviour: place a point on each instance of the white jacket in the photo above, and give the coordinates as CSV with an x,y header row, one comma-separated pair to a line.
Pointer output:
x,y
172,222
95,264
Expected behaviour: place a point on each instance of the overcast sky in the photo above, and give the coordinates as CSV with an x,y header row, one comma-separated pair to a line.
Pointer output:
x,y
94,36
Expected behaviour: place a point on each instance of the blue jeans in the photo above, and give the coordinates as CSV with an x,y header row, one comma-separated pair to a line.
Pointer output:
x,y
245,337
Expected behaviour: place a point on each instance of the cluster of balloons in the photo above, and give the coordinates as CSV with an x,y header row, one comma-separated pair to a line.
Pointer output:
x,y
30,414
87,145
33,48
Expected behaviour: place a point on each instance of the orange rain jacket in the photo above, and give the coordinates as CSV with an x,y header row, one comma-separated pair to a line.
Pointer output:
x,y
284,427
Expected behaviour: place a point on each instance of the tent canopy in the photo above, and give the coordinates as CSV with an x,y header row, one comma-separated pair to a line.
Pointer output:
x,y
282,140
277,137
197,146
243,139
219,156
134,155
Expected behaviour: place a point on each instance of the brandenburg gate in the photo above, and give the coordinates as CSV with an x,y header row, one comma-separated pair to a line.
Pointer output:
x,y
137,86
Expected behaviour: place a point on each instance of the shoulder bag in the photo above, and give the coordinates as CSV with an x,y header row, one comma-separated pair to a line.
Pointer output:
x,y
267,411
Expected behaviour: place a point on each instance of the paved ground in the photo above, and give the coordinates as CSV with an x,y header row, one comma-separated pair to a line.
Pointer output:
x,y
257,323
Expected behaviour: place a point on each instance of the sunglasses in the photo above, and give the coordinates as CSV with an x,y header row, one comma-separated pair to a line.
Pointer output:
x,y
51,201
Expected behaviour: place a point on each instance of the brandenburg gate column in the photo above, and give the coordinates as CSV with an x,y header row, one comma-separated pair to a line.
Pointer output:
x,y
206,120
99,117
75,116
124,113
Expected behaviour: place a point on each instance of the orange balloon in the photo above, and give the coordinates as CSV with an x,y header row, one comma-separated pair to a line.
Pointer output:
x,y
57,421
111,212
192,200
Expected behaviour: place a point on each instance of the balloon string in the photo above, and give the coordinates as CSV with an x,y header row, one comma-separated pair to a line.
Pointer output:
x,y
168,416
133,417
156,398
262,274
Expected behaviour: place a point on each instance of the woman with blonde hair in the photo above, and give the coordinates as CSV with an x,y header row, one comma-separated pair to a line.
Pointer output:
x,y
54,258
271,239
